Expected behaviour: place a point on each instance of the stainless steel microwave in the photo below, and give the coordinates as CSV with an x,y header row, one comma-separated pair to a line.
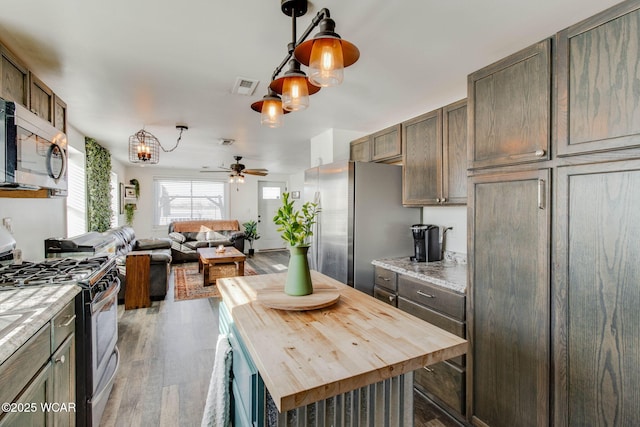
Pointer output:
x,y
33,153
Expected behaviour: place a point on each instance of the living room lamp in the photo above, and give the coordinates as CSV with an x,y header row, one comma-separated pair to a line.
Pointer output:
x,y
326,55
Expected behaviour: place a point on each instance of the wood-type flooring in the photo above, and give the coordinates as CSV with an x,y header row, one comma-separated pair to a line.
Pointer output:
x,y
166,358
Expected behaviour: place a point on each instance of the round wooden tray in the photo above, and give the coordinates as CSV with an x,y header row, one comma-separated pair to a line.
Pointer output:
x,y
277,299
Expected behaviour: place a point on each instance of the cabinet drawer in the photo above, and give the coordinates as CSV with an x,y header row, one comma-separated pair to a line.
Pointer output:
x,y
386,278
441,321
432,296
63,325
21,366
385,296
444,381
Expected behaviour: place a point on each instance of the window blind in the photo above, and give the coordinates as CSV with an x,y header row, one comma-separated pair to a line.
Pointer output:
x,y
183,199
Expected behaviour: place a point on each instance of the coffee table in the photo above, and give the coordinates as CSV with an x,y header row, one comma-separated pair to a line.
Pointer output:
x,y
210,259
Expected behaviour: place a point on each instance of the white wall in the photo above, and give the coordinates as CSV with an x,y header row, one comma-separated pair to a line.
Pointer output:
x,y
449,216
331,145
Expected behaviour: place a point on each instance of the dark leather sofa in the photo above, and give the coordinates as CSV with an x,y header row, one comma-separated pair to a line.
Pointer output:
x,y
160,251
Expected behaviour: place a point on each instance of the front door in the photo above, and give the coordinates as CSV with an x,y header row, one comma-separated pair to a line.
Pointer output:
x,y
269,200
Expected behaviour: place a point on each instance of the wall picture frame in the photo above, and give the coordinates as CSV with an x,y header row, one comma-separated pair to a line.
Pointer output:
x,y
121,198
295,194
129,192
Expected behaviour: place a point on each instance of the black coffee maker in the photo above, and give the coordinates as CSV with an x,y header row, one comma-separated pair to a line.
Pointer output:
x,y
426,243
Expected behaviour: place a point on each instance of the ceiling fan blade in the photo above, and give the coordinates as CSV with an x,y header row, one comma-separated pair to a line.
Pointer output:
x,y
259,172
208,171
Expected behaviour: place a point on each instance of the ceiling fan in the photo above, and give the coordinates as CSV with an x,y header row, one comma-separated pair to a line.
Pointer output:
x,y
237,169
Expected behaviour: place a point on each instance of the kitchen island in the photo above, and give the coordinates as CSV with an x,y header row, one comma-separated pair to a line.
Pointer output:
x,y
353,359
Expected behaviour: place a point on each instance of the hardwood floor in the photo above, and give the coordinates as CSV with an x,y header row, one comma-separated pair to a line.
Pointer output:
x,y
166,359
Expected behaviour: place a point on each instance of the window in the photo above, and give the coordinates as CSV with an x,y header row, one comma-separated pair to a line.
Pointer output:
x,y
183,199
76,200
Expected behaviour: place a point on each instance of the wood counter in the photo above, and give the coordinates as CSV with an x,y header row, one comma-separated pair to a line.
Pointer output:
x,y
304,357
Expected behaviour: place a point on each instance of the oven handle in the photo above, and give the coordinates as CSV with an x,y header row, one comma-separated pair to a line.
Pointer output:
x,y
104,297
113,375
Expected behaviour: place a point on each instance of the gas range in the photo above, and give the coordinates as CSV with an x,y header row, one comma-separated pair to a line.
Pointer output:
x,y
86,273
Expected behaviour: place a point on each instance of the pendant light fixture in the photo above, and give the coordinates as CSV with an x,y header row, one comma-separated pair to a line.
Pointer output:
x,y
270,109
326,55
144,147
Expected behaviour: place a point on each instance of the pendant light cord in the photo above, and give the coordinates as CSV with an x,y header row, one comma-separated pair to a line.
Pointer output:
x,y
182,129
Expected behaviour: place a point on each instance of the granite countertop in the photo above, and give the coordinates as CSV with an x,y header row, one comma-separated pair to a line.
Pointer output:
x,y
24,311
448,274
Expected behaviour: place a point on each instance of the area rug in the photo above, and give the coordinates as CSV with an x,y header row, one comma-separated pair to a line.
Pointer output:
x,y
188,282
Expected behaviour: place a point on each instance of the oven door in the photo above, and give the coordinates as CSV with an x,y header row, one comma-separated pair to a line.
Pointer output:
x,y
104,330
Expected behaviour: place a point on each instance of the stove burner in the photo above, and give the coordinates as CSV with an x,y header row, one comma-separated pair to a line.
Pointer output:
x,y
55,271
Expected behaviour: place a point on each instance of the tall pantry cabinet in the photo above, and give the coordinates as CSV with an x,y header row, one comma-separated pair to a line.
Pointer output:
x,y
554,324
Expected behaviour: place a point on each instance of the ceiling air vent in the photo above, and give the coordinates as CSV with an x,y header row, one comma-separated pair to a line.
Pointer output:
x,y
226,141
244,86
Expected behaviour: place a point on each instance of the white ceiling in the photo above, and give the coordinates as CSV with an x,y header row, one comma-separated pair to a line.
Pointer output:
x,y
124,64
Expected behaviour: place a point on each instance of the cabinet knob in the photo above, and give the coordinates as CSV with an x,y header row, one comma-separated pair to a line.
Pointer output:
x,y
437,199
444,199
392,298
60,359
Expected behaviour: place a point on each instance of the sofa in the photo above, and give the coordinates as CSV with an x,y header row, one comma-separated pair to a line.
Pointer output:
x,y
187,236
126,242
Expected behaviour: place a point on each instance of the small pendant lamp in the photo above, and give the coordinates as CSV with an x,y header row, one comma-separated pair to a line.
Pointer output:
x,y
326,55
294,88
270,109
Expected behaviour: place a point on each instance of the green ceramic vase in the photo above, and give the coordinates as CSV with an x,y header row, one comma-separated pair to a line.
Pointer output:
x,y
298,277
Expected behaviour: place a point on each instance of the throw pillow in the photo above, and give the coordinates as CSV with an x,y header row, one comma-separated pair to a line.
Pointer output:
x,y
214,235
177,237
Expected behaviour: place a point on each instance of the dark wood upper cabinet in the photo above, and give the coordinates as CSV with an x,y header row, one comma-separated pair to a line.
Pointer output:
x,y
59,114
509,299
421,159
454,154
360,150
435,157
385,144
510,109
598,82
14,78
597,295
41,98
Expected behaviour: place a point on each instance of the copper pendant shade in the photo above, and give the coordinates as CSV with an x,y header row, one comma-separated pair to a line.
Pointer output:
x,y
350,52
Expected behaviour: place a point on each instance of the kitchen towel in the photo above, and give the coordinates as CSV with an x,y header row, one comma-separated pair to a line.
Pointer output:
x,y
217,409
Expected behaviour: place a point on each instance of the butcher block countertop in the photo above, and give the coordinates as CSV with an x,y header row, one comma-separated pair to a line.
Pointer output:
x,y
307,356
24,311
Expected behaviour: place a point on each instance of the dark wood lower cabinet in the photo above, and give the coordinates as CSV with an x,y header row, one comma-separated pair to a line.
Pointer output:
x,y
508,319
597,295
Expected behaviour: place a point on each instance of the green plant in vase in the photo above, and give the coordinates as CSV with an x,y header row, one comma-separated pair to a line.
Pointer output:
x,y
296,227
251,234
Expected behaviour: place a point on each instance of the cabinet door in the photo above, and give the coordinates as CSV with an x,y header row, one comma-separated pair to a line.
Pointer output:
x,y
64,382
14,78
454,154
59,114
509,307
30,403
41,98
385,144
421,154
597,295
598,74
509,109
360,150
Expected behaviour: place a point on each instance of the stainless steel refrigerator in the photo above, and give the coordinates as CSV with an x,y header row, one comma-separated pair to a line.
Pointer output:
x,y
361,219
